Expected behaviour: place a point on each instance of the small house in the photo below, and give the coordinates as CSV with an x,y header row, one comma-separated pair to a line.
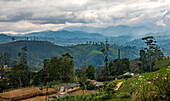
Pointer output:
x,y
128,73
69,87
100,84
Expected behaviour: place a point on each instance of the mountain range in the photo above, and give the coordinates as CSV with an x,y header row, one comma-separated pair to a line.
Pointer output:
x,y
121,30
119,35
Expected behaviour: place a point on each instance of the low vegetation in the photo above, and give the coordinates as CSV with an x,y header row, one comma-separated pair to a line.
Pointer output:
x,y
146,80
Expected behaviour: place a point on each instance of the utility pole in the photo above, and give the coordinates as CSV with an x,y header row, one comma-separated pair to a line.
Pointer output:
x,y
46,95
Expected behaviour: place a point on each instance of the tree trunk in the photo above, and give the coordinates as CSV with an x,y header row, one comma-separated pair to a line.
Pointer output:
x,y
20,82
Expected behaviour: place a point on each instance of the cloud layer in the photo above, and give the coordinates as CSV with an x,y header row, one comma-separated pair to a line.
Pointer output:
x,y
23,16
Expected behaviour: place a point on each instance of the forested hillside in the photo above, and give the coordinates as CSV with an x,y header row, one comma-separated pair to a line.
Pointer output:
x,y
83,54
5,38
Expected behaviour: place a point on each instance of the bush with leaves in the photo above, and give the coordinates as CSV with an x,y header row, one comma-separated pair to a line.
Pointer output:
x,y
123,76
110,88
155,89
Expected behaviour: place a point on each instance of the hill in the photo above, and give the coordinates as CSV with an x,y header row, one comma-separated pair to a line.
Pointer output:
x,y
66,38
66,34
84,53
134,83
121,30
5,38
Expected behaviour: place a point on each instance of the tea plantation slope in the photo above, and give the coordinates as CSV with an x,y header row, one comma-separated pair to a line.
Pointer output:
x,y
133,83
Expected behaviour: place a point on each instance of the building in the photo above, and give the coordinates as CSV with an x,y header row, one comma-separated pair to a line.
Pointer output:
x,y
100,84
128,73
69,87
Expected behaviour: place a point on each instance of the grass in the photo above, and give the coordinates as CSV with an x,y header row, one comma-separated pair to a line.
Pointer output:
x,y
125,99
133,83
25,93
94,52
162,63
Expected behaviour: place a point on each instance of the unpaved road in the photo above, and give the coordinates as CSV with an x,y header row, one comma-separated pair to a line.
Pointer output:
x,y
118,85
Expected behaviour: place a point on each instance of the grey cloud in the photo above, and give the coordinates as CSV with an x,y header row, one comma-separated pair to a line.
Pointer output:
x,y
95,12
17,17
10,0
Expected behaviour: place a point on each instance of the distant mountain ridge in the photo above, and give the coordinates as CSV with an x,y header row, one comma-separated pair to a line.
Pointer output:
x,y
64,37
120,35
5,38
120,30
66,34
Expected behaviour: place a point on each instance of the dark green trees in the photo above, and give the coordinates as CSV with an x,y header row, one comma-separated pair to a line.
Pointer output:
x,y
86,73
23,56
90,71
116,67
60,68
119,66
5,59
57,69
20,74
149,55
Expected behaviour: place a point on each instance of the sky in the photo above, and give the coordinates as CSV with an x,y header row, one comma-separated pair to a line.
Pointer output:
x,y
25,16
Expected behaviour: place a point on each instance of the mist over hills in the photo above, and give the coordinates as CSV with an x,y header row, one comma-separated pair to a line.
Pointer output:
x,y
75,35
65,38
121,30
5,38
83,43
66,34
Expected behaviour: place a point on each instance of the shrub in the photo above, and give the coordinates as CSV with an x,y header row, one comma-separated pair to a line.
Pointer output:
x,y
122,95
91,86
124,76
110,88
157,90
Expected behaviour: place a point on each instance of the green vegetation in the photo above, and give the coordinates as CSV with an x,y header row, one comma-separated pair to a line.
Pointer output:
x,y
56,69
134,83
87,53
152,84
90,71
149,55
116,67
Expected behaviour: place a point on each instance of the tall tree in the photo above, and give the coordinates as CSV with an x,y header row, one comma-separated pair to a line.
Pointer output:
x,y
119,66
149,55
5,59
83,75
20,73
119,53
23,55
104,50
60,68
90,71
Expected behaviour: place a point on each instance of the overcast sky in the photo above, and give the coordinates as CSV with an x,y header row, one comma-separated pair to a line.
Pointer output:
x,y
24,16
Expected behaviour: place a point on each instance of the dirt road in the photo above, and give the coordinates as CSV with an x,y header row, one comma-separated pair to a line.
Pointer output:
x,y
118,85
